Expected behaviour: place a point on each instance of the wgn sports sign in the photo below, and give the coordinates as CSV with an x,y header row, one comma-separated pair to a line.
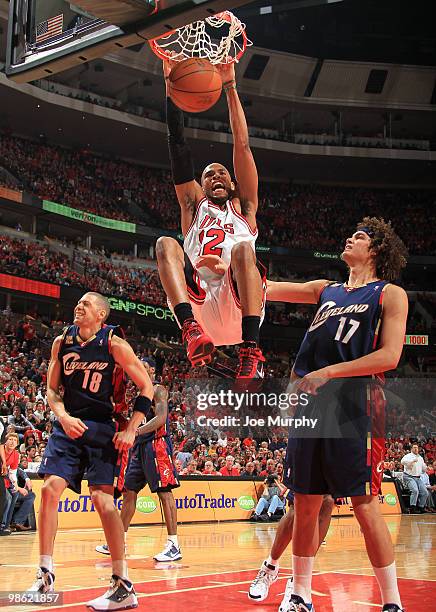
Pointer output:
x,y
142,310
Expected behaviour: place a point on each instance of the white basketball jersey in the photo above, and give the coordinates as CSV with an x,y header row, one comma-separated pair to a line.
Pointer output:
x,y
215,231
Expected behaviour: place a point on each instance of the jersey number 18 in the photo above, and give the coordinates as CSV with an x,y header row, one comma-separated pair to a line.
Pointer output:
x,y
94,381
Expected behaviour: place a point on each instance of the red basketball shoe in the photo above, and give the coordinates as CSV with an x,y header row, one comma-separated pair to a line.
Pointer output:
x,y
250,372
199,345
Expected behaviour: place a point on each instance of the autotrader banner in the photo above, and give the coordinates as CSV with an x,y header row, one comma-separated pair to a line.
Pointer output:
x,y
81,215
196,501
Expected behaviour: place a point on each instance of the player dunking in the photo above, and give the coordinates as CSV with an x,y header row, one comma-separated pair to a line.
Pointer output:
x,y
84,360
151,463
218,222
358,331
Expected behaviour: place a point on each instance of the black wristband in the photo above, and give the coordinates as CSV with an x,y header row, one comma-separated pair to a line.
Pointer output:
x,y
142,404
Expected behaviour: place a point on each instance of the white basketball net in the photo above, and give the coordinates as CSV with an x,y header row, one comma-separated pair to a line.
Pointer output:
x,y
197,40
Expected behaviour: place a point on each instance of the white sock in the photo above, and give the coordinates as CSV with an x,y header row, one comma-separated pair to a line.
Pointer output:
x,y
302,568
46,561
119,568
174,539
387,581
271,561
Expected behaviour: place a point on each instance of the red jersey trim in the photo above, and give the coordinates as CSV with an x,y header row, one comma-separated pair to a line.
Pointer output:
x,y
194,218
252,232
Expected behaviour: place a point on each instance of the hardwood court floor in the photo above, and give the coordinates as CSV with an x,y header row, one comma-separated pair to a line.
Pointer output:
x,y
219,562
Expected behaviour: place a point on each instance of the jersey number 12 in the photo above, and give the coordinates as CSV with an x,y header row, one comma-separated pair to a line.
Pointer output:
x,y
211,248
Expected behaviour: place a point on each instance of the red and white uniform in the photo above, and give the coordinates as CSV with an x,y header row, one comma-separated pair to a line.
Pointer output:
x,y
214,298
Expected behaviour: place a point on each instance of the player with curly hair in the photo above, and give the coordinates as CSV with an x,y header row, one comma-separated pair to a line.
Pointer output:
x,y
357,334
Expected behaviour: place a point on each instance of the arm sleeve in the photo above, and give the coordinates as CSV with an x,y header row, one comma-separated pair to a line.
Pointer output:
x,y
182,166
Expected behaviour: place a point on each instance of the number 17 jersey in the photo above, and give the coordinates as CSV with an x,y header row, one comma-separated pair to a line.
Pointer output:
x,y
346,326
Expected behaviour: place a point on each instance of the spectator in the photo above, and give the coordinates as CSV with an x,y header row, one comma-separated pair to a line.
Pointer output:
x,y
414,466
432,479
31,416
275,444
12,460
20,423
48,428
191,469
228,469
222,440
29,441
249,469
209,469
270,468
429,507
25,497
184,456
271,500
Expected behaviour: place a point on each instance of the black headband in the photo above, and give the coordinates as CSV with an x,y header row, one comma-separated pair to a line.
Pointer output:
x,y
367,230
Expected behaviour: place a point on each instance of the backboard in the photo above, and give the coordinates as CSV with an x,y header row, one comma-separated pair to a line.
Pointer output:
x,y
48,36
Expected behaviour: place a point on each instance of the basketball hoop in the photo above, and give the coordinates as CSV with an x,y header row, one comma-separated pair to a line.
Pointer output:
x,y
195,40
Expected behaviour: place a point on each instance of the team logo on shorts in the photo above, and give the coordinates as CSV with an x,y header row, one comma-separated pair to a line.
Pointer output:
x,y
380,467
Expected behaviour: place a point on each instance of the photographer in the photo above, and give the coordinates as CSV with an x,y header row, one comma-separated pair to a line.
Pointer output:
x,y
271,500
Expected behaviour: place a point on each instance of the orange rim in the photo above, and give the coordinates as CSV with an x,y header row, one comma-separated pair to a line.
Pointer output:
x,y
164,54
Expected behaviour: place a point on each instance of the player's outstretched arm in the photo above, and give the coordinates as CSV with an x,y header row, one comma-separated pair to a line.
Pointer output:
x,y
73,427
188,191
296,293
125,357
243,160
385,358
160,409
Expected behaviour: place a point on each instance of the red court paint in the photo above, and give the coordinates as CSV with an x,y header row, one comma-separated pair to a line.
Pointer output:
x,y
341,593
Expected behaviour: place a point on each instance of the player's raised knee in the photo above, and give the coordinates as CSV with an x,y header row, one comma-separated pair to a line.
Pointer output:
x,y
242,253
167,247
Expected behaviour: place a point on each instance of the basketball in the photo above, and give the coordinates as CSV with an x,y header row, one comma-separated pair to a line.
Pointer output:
x,y
195,85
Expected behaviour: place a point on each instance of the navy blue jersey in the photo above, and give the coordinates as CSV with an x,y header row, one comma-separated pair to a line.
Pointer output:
x,y
345,327
88,374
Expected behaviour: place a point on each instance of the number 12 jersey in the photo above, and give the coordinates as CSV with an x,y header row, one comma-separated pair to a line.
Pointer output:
x,y
215,231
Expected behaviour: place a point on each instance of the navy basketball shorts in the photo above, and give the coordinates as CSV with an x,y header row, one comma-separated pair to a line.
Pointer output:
x,y
151,463
350,461
93,453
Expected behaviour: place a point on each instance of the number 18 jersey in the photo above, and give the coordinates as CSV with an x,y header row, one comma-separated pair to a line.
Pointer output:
x,y
215,231
346,326
87,374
